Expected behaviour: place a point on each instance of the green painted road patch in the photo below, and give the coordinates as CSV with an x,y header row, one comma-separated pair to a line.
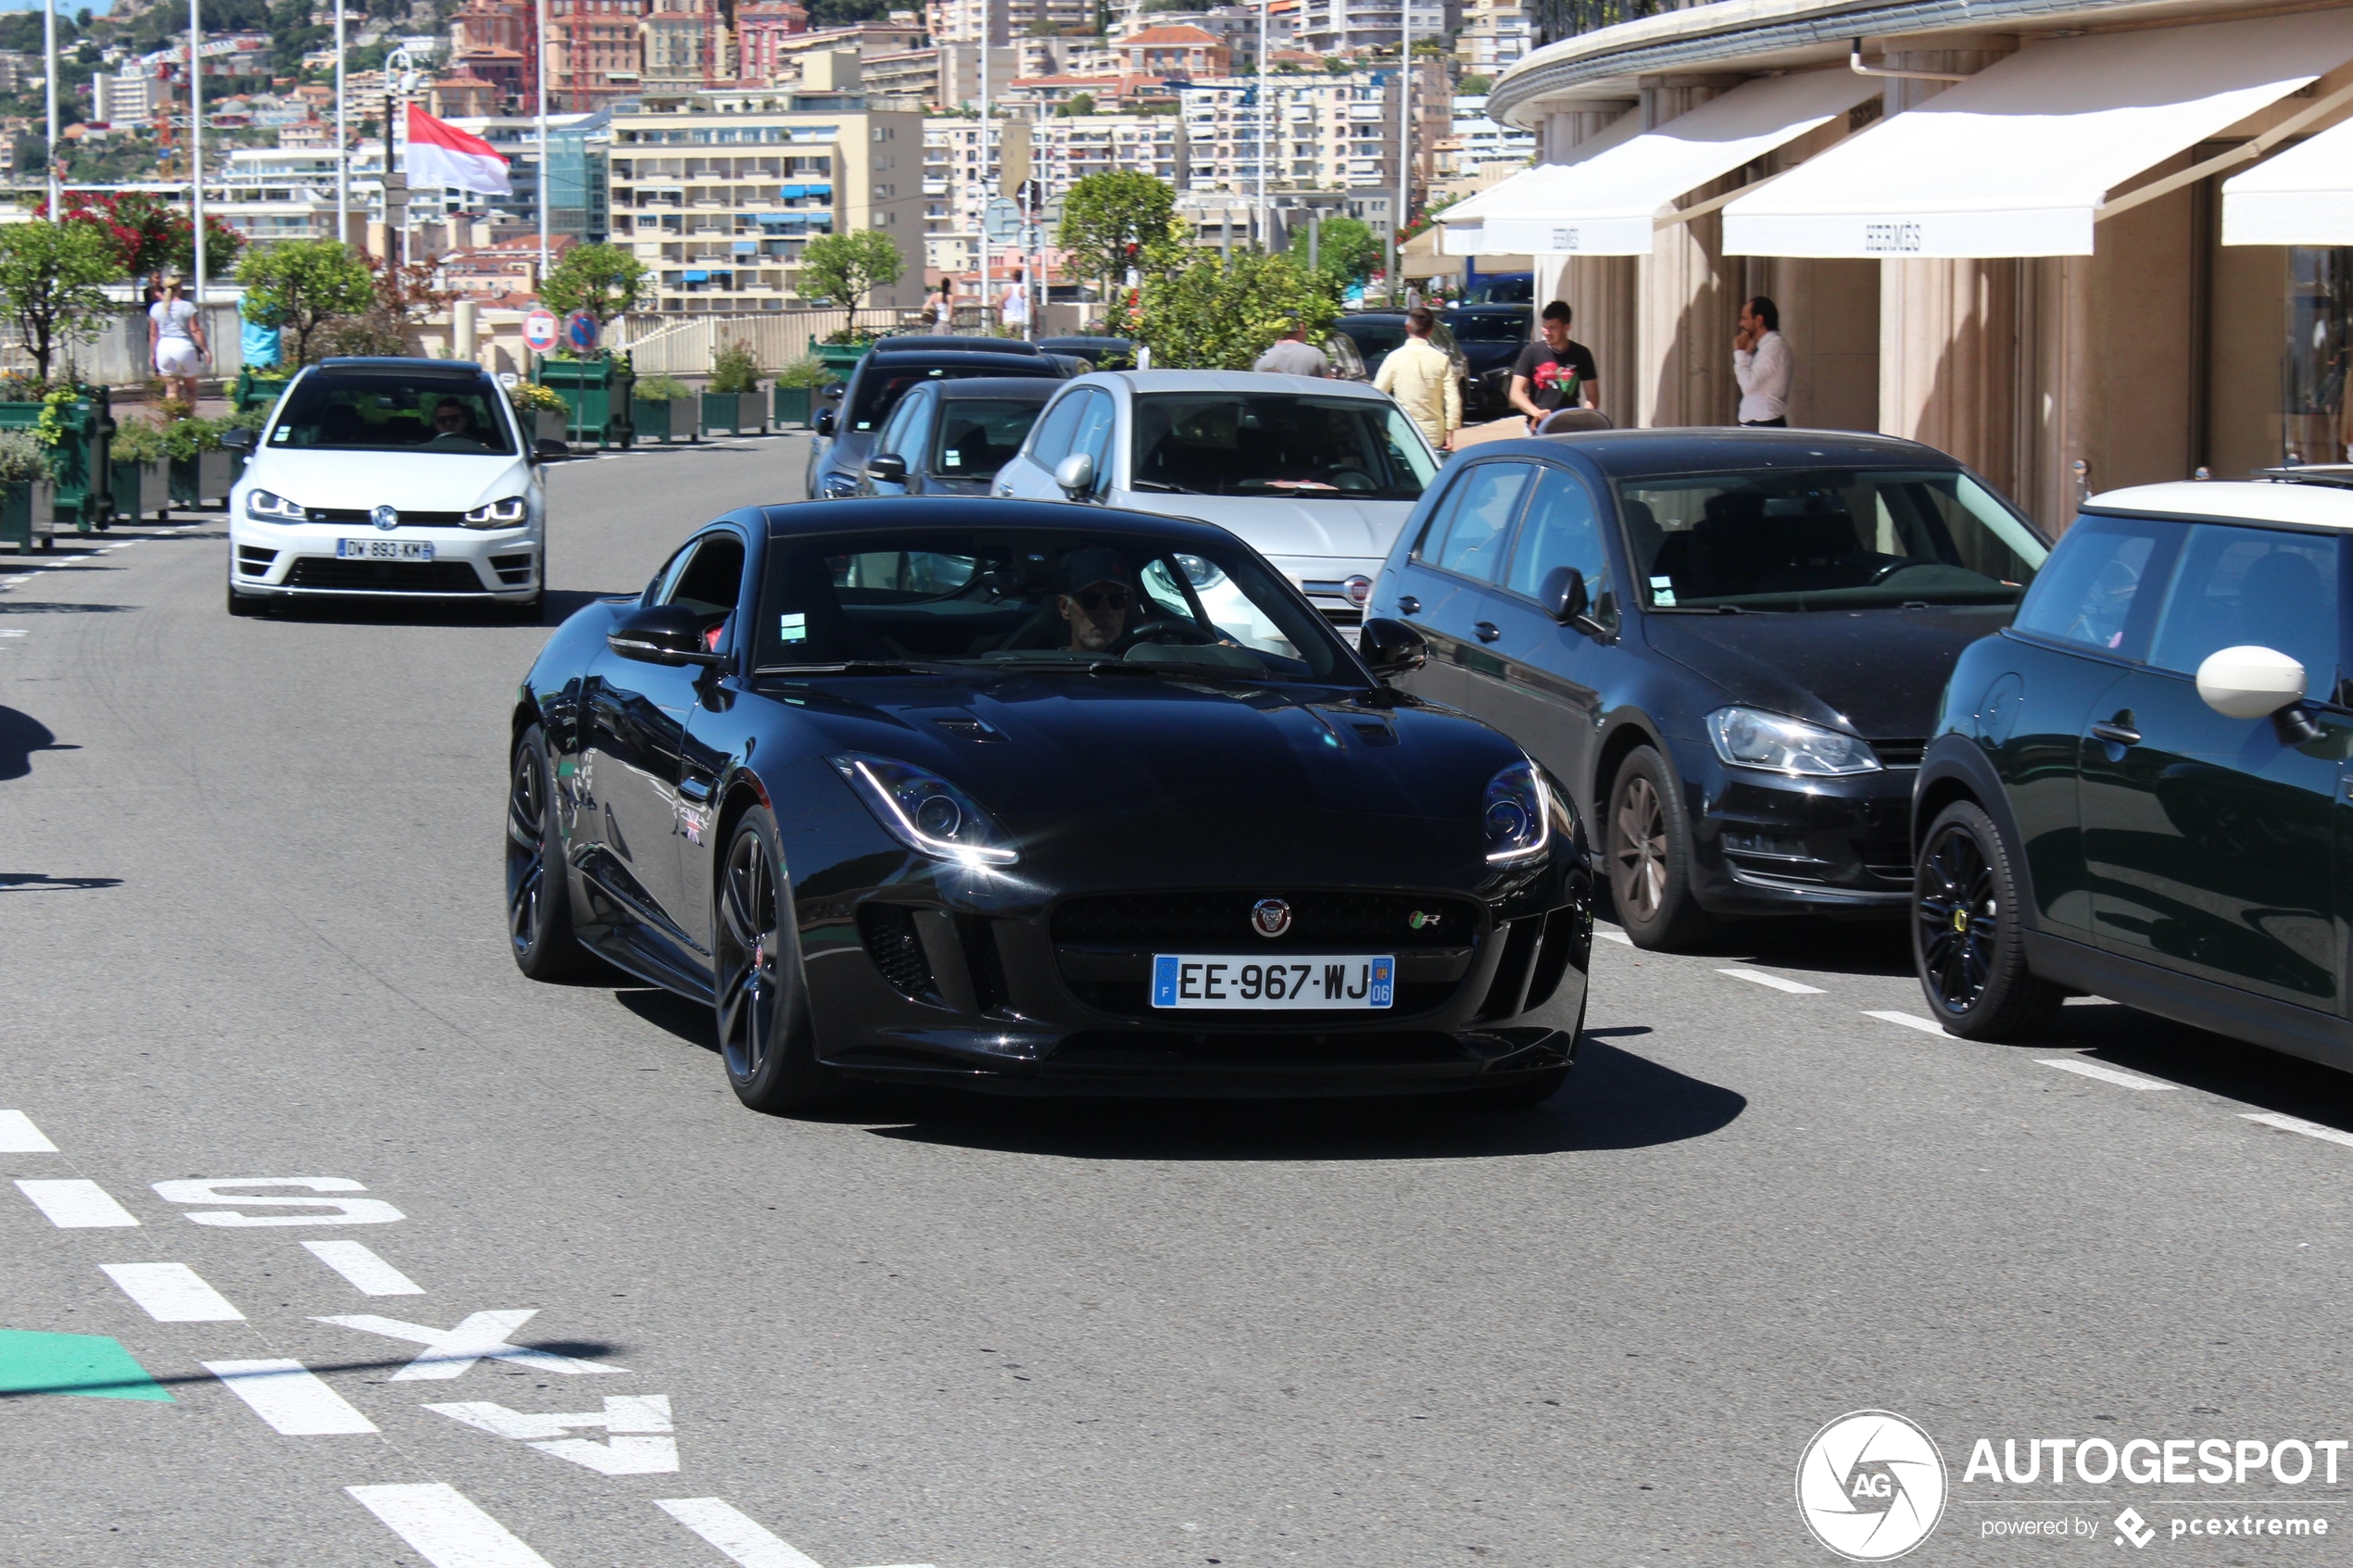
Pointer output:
x,y
90,1364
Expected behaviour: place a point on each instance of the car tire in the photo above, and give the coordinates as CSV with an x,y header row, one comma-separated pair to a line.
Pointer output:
x,y
1968,946
766,1040
244,604
540,928
1649,837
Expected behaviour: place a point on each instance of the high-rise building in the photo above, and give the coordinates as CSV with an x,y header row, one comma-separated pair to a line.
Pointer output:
x,y
595,53
718,191
1354,27
965,21
689,45
761,27
496,40
1495,33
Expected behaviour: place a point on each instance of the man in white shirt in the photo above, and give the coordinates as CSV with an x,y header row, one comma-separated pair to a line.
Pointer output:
x,y
1763,364
1013,308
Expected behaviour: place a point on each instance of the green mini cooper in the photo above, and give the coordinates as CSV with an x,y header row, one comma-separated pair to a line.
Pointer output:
x,y
2141,789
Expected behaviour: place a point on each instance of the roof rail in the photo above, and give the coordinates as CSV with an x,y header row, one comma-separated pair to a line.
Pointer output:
x,y
2338,476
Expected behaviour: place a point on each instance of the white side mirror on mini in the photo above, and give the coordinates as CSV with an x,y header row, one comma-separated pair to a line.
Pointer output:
x,y
1076,474
2249,682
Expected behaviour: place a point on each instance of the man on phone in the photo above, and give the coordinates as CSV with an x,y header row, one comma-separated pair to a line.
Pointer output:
x,y
1552,372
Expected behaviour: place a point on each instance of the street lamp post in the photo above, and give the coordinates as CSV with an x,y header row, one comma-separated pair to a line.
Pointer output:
x,y
49,44
195,139
1404,149
545,191
342,140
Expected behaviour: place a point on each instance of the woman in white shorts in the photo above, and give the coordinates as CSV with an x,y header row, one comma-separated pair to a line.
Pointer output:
x,y
175,339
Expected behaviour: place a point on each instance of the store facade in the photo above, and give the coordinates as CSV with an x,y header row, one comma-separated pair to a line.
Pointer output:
x,y
2077,244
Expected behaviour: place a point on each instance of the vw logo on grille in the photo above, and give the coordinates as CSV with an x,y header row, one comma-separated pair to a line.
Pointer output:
x,y
1270,916
385,518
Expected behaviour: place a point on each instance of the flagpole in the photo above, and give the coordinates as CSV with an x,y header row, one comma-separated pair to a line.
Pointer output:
x,y
343,139
546,185
196,141
49,44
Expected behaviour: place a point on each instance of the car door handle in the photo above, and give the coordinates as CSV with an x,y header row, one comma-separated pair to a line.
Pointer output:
x,y
1487,631
1408,605
2117,734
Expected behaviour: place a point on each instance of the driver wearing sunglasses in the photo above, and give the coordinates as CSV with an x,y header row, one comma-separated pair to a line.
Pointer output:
x,y
1098,601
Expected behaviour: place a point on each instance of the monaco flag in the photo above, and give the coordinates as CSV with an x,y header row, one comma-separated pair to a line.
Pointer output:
x,y
440,154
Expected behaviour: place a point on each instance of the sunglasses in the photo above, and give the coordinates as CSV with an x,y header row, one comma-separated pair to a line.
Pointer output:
x,y
1115,599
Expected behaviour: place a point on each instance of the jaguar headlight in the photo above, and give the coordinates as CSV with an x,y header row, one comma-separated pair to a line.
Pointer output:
x,y
499,514
1746,738
1516,814
926,812
264,506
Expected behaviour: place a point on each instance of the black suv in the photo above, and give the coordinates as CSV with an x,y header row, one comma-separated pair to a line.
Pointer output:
x,y
845,432
2139,789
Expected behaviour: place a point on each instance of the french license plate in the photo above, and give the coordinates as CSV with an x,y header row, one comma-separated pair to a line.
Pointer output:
x,y
1233,983
383,550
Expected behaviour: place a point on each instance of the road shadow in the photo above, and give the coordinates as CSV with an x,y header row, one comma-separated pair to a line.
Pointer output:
x,y
667,1012
37,882
20,735
556,605
2196,1058
1836,946
1615,1100
58,606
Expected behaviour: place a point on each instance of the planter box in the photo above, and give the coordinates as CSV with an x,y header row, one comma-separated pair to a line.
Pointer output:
x,y
791,404
549,424
125,481
154,488
654,420
733,411
16,515
203,478
586,385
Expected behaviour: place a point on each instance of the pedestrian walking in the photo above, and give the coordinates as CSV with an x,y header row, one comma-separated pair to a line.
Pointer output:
x,y
1552,372
1014,309
1763,364
943,309
1292,355
175,341
1420,375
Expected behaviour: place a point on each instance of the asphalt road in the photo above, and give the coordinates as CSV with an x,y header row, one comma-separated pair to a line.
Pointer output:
x,y
250,927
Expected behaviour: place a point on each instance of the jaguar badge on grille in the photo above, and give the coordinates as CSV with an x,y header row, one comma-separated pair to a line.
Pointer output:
x,y
1270,916
385,518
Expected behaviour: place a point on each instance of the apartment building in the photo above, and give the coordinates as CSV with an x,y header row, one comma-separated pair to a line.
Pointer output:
x,y
1063,150
596,52
763,27
688,46
1356,27
1322,132
719,192
1495,34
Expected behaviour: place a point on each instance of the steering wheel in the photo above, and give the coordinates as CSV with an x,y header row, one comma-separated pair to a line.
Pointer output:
x,y
1890,569
1342,477
1183,633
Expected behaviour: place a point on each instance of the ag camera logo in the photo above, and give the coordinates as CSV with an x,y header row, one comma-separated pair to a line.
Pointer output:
x,y
1872,1486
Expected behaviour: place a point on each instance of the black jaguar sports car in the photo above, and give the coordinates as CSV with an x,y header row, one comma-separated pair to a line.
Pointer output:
x,y
1038,797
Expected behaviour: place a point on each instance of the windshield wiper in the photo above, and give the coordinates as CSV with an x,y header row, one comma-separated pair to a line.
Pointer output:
x,y
1164,489
848,667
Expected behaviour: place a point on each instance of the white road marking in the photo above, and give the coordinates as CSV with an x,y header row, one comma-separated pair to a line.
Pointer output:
x,y
368,1273
18,1134
741,1538
343,1211
294,1400
1617,936
76,1205
628,1419
445,1527
171,1293
449,1352
1758,977
15,634
2297,1124
2105,1075
1910,1021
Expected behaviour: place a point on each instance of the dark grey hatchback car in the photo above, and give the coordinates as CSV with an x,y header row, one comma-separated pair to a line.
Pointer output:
x,y
1727,645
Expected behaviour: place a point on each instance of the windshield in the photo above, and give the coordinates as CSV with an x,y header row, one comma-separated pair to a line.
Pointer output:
x,y
1824,539
1279,443
391,412
1490,328
880,389
977,434
1059,599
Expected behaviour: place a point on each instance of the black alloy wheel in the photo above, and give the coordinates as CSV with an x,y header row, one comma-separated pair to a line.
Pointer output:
x,y
1966,939
762,997
1650,855
538,894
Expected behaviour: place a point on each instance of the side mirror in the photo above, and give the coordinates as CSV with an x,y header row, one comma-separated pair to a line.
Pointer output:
x,y
661,635
1391,648
887,468
825,422
1076,474
831,391
548,451
1566,600
238,440
2250,682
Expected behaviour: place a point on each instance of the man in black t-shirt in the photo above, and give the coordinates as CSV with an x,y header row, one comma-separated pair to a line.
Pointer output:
x,y
1552,372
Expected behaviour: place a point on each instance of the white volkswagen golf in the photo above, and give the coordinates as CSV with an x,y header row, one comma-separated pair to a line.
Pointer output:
x,y
397,477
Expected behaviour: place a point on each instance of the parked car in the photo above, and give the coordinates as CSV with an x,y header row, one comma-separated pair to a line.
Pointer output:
x,y
1726,643
844,433
1373,334
1100,353
1491,338
405,477
1501,288
950,437
2138,789
1317,475
858,777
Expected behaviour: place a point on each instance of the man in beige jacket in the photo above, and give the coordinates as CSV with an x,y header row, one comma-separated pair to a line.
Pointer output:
x,y
1421,377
